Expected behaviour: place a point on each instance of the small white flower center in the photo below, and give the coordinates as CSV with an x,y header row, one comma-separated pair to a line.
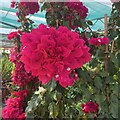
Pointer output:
x,y
68,69
99,40
24,47
76,75
48,27
57,76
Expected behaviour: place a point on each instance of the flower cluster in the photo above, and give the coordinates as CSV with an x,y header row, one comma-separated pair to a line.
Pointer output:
x,y
12,35
90,107
14,106
74,12
25,7
14,56
30,6
12,5
49,53
20,77
22,94
78,8
98,41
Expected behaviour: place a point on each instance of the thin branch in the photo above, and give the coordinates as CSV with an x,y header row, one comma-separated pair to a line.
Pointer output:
x,y
9,24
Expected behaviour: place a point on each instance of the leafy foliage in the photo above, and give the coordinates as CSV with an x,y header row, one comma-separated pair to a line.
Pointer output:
x,y
7,68
95,82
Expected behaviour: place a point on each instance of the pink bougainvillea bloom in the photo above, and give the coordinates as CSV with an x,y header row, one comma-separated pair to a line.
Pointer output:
x,y
14,55
12,5
20,77
19,31
22,116
75,12
21,94
78,7
12,35
30,7
14,106
11,113
90,107
49,53
18,20
114,1
98,41
14,102
17,13
105,41
75,8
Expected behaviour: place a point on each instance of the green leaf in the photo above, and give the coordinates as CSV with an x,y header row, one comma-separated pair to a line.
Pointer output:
x,y
94,62
114,109
66,23
33,103
78,107
53,110
51,85
112,34
114,60
118,56
44,6
87,94
83,74
89,22
76,16
98,82
111,68
103,73
100,98
59,88
29,116
88,34
114,98
57,96
115,89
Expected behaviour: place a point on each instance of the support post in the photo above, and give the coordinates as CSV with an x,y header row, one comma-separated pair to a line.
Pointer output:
x,y
106,49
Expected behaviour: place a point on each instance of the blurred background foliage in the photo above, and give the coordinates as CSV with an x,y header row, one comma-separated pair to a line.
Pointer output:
x,y
7,68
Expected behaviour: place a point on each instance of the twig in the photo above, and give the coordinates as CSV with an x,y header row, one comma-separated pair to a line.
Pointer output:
x,y
57,23
113,42
112,49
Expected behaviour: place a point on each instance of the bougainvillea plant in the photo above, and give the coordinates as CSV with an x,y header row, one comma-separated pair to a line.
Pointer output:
x,y
49,53
71,14
62,71
15,105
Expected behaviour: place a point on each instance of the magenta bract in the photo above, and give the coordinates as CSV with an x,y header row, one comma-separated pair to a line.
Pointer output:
x,y
49,53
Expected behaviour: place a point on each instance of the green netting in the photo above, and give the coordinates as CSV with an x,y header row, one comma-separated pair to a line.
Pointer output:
x,y
96,10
